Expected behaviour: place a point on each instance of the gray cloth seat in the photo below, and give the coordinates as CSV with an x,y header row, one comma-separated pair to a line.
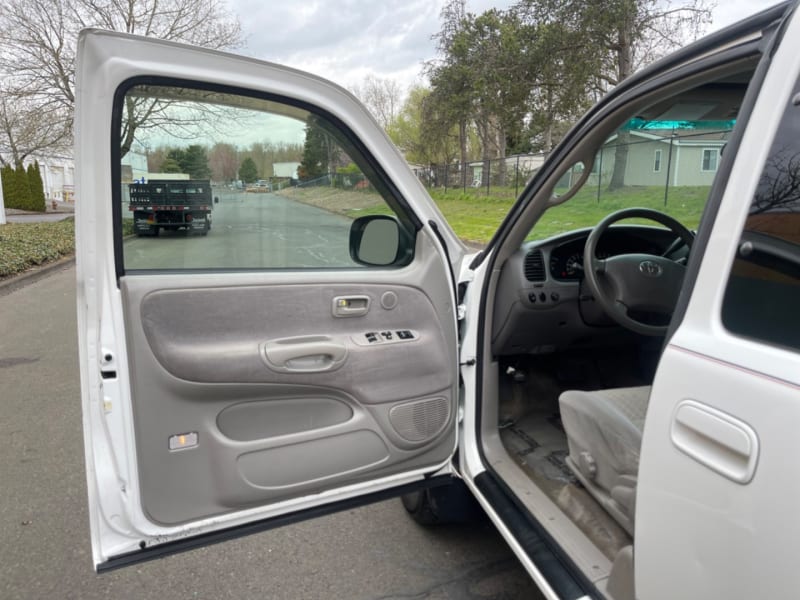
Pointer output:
x,y
604,433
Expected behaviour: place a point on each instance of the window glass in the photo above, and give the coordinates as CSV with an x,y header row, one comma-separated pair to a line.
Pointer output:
x,y
763,292
645,163
213,180
710,159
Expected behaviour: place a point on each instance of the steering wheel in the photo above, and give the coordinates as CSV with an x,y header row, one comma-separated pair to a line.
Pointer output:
x,y
638,282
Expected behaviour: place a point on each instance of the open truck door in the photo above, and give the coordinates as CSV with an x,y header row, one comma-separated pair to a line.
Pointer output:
x,y
302,357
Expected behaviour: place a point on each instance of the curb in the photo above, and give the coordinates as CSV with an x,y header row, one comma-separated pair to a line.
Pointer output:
x,y
16,282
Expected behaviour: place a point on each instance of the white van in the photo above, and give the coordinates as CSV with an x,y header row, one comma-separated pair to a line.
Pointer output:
x,y
623,401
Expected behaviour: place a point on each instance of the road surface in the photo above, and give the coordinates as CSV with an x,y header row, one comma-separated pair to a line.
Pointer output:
x,y
250,231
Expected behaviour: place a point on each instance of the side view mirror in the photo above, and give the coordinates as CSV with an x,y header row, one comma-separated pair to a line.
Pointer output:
x,y
380,241
216,199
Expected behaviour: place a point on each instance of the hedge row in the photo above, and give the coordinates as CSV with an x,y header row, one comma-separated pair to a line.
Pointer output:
x,y
23,245
23,189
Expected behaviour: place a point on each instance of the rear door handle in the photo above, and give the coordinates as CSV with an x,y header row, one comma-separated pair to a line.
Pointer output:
x,y
715,439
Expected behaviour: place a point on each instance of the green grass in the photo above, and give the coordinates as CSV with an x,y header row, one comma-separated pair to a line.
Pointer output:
x,y
475,217
683,203
24,245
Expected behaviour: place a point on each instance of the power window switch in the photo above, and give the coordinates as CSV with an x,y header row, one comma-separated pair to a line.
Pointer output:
x,y
387,334
405,334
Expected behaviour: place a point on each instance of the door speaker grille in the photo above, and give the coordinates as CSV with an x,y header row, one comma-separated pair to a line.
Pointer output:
x,y
420,420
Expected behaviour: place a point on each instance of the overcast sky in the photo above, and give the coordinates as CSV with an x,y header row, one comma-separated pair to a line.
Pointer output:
x,y
348,39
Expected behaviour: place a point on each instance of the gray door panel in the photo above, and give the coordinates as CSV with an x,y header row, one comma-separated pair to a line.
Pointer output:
x,y
220,427
222,335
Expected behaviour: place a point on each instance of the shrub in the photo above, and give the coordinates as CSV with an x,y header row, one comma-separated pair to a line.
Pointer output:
x,y
37,187
22,194
23,245
23,189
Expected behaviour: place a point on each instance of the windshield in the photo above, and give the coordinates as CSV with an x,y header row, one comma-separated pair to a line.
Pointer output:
x,y
668,165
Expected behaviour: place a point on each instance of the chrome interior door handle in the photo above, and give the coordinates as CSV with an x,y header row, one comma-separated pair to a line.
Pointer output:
x,y
716,440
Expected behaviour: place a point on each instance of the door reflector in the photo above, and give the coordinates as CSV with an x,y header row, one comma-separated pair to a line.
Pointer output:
x,y
183,441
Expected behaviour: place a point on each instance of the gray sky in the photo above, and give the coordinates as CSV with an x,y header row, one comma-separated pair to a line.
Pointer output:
x,y
348,39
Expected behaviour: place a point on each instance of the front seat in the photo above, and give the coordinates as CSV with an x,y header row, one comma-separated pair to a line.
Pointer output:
x,y
604,433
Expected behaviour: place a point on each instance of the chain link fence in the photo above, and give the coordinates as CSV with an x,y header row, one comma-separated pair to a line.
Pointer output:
x,y
658,158
500,176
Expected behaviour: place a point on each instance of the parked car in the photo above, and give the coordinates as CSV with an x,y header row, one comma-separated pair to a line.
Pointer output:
x,y
622,401
262,185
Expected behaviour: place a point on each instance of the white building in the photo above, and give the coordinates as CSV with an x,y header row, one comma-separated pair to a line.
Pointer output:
x,y
58,175
134,166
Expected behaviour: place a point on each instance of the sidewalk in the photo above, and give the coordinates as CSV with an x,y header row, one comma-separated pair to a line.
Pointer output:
x,y
63,210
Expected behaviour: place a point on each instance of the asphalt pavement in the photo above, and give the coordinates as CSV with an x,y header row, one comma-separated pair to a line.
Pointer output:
x,y
250,231
371,552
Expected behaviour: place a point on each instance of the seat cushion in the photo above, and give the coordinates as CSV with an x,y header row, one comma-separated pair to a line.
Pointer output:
x,y
604,433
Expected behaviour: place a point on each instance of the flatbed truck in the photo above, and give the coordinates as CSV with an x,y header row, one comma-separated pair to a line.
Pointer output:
x,y
171,204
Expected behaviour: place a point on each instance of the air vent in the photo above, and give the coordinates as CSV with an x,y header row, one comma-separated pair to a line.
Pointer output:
x,y
534,266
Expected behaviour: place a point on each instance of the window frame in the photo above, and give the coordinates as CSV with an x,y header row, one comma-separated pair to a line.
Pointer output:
x,y
657,160
712,152
402,210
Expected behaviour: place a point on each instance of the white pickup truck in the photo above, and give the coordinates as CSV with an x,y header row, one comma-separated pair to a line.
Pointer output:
x,y
623,401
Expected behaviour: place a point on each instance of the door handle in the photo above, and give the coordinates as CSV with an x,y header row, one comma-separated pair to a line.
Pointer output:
x,y
307,354
715,439
350,306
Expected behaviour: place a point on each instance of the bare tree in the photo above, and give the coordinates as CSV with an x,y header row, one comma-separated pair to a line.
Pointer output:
x,y
38,39
779,186
29,125
630,33
383,98
223,159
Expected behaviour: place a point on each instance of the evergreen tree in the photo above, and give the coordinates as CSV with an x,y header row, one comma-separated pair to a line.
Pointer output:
x,y
248,171
23,189
36,186
316,154
195,162
178,155
170,165
9,186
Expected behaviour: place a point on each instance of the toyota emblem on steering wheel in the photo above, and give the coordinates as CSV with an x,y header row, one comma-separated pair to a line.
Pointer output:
x,y
650,268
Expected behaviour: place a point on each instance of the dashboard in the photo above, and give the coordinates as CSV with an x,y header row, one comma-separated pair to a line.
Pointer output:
x,y
542,304
566,260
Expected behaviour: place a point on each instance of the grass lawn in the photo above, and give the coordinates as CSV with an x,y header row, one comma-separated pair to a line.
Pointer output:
x,y
685,204
475,216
